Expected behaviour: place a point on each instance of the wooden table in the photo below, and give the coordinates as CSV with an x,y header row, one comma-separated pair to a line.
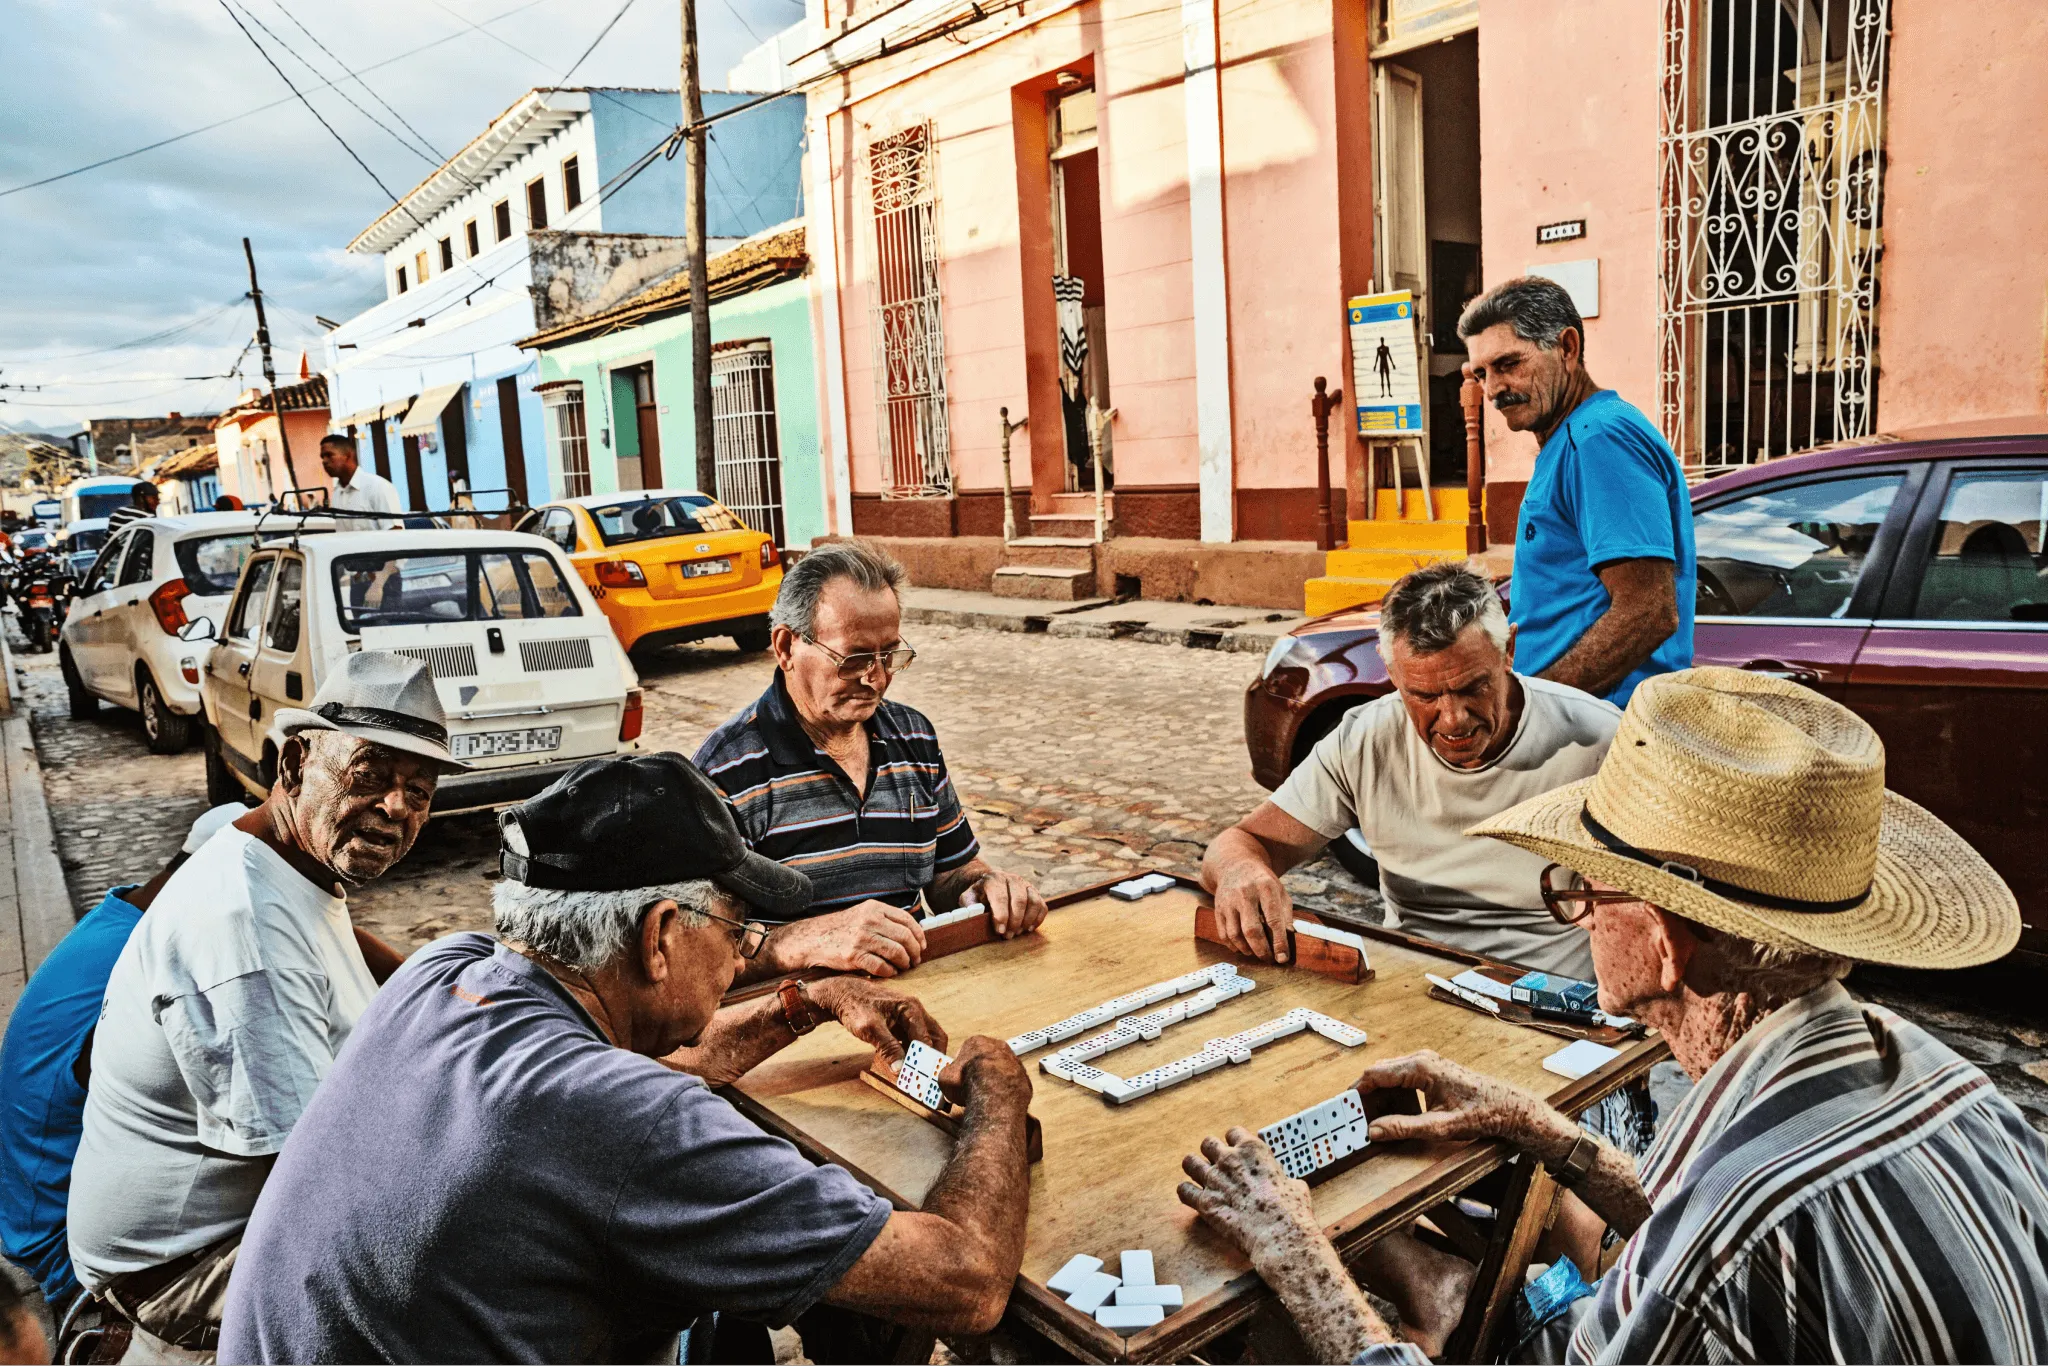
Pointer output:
x,y
1109,1174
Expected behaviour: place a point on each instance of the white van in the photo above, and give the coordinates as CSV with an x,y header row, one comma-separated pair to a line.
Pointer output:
x,y
528,670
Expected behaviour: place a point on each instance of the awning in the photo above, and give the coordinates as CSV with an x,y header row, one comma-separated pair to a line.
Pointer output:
x,y
365,418
558,391
424,417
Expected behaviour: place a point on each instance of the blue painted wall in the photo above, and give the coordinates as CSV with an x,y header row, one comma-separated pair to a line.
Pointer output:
x,y
755,179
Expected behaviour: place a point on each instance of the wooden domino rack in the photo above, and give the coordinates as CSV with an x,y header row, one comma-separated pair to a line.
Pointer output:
x,y
1109,1172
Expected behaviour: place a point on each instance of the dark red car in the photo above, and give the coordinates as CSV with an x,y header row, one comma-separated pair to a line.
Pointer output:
x,y
1907,579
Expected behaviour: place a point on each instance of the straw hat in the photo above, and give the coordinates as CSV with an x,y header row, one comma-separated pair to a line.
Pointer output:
x,y
1758,807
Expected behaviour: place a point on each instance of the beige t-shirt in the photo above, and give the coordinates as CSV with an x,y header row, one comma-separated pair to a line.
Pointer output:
x,y
1483,895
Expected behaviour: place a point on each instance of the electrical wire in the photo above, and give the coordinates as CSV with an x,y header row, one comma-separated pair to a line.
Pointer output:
x,y
150,340
273,104
430,158
418,136
261,51
612,23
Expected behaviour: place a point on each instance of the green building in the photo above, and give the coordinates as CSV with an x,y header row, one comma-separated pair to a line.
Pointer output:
x,y
617,386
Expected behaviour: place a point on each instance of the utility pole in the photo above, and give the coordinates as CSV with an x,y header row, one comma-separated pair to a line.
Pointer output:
x,y
269,375
693,246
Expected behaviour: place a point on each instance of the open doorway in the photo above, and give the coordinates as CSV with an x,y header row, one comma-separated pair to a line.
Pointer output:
x,y
638,422
1077,285
1426,103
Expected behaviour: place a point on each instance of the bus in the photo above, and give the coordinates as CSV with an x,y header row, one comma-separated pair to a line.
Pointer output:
x,y
96,496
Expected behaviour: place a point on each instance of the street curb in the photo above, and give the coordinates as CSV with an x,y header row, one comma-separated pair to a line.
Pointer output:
x,y
1238,639
34,894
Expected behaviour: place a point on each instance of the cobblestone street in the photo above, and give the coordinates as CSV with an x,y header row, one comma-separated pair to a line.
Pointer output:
x,y
1079,759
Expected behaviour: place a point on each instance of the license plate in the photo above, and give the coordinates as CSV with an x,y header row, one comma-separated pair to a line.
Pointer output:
x,y
491,743
704,569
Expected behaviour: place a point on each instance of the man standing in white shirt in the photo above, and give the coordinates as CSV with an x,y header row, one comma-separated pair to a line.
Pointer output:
x,y
233,996
357,489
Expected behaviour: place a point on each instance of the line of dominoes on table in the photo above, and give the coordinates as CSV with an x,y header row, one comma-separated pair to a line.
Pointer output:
x,y
1205,990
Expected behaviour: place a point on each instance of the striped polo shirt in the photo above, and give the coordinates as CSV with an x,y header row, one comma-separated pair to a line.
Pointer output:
x,y
1840,1186
794,804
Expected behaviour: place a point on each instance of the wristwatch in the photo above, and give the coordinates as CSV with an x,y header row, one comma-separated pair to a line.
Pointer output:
x,y
1576,1164
798,1010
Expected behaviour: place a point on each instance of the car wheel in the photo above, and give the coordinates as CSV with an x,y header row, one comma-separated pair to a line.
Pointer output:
x,y
167,731
221,783
84,706
751,642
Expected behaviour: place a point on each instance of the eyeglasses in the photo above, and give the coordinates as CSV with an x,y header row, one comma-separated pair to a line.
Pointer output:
x,y
1570,900
852,667
752,933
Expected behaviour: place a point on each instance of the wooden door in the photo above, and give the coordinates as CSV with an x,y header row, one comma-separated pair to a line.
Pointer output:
x,y
649,428
415,477
514,443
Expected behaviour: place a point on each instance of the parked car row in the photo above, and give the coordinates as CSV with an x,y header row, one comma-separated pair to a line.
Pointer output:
x,y
1907,580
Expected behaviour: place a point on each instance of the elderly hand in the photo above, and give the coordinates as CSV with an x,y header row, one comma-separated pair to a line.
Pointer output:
x,y
985,1067
1465,1104
884,1018
873,937
1014,904
1239,1190
1254,913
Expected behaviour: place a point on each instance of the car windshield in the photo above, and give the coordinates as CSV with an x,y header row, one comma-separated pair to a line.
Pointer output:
x,y
398,588
31,540
102,503
211,564
88,540
649,519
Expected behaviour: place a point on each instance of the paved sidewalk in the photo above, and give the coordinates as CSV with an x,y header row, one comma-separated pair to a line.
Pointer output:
x,y
1251,630
35,908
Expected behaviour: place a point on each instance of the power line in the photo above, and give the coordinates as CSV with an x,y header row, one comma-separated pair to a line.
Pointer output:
x,y
594,42
417,134
431,159
261,108
166,334
316,113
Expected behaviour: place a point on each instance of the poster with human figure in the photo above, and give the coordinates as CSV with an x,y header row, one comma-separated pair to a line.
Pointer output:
x,y
1385,376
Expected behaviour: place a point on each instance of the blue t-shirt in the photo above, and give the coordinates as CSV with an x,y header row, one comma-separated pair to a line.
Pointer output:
x,y
483,1177
42,1106
1607,487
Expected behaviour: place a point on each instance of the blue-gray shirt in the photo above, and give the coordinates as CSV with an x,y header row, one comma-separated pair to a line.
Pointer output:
x,y
482,1176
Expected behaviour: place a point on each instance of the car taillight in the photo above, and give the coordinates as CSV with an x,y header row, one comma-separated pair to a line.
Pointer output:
x,y
770,557
620,574
168,602
629,724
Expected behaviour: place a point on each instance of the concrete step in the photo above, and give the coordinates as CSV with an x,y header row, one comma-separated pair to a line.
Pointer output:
x,y
1384,564
1083,504
1046,583
1448,537
1333,593
1056,552
1451,505
1059,526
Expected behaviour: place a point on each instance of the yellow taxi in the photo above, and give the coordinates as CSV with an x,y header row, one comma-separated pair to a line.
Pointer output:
x,y
667,565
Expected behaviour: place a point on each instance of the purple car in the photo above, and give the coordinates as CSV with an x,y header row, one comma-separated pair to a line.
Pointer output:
x,y
1907,579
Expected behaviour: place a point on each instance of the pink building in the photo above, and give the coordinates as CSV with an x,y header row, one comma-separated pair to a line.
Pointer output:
x,y
1788,222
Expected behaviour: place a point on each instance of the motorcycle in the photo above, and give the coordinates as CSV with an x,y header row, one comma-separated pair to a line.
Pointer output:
x,y
37,587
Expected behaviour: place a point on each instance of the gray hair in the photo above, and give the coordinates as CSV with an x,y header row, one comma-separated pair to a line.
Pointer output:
x,y
1539,311
1769,974
868,566
587,930
1430,608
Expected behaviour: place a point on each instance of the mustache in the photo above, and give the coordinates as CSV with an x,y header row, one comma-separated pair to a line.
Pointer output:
x,y
1507,399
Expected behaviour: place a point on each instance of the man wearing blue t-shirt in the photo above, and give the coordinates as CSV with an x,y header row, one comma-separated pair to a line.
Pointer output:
x,y
1603,589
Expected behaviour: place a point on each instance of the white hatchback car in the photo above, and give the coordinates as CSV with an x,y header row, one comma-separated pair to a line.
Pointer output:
x,y
120,641
528,670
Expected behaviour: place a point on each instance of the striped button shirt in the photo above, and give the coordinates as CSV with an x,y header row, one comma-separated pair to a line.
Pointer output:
x,y
796,806
1840,1186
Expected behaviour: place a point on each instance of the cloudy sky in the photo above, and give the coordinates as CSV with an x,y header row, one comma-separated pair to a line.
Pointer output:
x,y
127,280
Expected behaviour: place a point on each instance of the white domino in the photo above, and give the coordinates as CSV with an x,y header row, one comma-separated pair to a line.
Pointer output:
x,y
920,1088
922,1058
1165,1296
1134,1268
1324,932
1068,1278
967,912
1336,1031
1314,1138
1129,1318
1093,1291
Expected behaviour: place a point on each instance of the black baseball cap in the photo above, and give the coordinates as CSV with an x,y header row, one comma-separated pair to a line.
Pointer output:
x,y
640,820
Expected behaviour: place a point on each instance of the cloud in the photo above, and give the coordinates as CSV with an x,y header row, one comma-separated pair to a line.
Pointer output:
x,y
148,243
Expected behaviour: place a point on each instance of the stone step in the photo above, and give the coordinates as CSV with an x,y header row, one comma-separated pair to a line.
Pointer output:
x,y
1059,552
1083,504
1060,526
1384,564
1451,505
1334,593
1448,537
1044,582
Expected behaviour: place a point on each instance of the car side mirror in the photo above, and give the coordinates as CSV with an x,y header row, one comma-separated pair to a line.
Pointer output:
x,y
199,628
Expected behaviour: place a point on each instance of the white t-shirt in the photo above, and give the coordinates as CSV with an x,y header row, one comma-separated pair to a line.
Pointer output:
x,y
1482,895
222,1014
366,492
